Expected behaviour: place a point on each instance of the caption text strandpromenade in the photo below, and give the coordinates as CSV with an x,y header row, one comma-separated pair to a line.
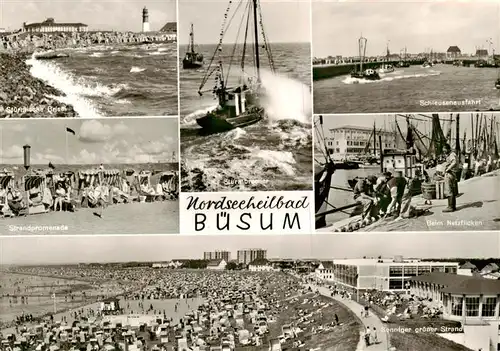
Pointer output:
x,y
270,203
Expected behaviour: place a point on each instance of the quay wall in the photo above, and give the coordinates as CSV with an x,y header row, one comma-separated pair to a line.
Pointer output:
x,y
332,70
29,42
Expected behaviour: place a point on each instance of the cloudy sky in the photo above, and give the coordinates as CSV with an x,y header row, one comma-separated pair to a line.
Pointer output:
x,y
124,140
73,249
420,26
119,15
285,21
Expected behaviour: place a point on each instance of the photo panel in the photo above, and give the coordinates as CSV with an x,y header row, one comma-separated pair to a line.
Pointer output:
x,y
245,95
382,290
407,172
405,56
88,59
89,176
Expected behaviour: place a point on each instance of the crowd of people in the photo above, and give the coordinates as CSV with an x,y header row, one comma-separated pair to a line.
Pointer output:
x,y
67,191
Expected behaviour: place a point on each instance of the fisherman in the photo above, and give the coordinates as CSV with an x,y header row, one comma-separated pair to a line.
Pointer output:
x,y
363,194
450,179
382,192
396,187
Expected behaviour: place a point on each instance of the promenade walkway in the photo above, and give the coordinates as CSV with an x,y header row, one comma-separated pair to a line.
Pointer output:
x,y
371,321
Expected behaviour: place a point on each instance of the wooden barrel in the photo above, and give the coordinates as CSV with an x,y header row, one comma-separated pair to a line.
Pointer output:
x,y
429,191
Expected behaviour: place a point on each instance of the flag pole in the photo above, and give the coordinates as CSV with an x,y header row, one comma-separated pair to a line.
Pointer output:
x,y
54,298
66,134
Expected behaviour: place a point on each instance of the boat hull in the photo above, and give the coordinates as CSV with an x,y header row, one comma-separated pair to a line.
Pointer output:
x,y
219,123
364,76
186,64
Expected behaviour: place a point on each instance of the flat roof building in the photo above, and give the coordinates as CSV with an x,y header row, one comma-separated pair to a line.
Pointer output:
x,y
246,256
50,25
217,255
385,274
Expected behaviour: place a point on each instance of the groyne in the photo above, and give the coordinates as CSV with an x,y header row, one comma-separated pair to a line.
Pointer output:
x,y
30,42
24,96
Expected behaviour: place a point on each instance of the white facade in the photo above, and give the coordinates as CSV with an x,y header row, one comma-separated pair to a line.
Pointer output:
x,y
349,141
383,274
324,272
145,27
221,265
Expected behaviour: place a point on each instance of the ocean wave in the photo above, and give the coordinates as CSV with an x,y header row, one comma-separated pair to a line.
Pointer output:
x,y
190,119
137,69
350,80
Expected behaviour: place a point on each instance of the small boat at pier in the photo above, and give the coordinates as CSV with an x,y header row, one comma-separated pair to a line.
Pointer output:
x,y
192,59
49,55
368,74
386,68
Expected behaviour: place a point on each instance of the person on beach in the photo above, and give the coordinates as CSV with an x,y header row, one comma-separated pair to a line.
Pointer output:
x,y
450,179
60,196
374,336
363,194
367,336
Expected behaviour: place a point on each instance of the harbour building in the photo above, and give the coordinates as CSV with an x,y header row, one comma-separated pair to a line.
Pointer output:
x,y
246,256
217,255
50,25
347,142
394,275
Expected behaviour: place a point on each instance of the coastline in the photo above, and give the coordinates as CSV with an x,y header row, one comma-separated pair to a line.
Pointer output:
x,y
24,96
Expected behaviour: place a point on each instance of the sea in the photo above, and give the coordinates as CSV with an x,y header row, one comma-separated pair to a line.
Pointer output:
x,y
115,80
273,154
411,89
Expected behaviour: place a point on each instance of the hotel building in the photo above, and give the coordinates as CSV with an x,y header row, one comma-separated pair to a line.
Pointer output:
x,y
246,256
217,255
392,275
346,142
49,26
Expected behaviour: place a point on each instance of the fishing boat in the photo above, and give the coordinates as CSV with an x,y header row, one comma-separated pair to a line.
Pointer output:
x,y
238,105
368,74
322,176
404,62
192,59
386,68
427,64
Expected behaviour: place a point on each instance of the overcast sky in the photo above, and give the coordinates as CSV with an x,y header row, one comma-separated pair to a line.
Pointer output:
x,y
110,140
284,21
386,121
119,15
420,26
73,249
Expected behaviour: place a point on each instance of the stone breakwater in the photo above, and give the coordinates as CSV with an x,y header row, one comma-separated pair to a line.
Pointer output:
x,y
22,95
30,42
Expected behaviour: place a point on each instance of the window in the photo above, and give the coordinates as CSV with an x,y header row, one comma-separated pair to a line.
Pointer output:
x,y
489,305
472,306
424,270
437,269
410,271
395,271
395,284
456,306
450,269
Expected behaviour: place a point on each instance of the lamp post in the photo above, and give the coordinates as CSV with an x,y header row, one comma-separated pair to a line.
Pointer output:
x,y
27,163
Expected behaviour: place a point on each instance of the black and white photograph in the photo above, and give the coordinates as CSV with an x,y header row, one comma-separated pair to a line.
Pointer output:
x,y
405,56
407,172
70,176
245,95
84,58
343,292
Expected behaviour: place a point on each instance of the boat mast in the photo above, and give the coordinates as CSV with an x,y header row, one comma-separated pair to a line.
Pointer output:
x,y
256,38
374,140
457,134
191,39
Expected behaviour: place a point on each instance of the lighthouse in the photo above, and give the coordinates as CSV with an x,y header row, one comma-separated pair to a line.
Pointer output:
x,y
145,20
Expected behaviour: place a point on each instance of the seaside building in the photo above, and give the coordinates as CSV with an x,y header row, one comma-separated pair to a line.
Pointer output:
x,y
217,255
345,142
246,256
482,53
453,52
472,300
385,274
324,271
467,269
260,265
145,20
50,25
217,265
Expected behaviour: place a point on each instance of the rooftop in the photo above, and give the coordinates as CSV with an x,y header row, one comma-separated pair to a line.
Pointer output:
x,y
214,263
366,129
461,284
169,27
50,22
454,48
259,262
391,261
